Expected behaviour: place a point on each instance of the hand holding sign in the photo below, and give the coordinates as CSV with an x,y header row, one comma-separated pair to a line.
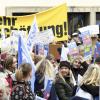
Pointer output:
x,y
48,89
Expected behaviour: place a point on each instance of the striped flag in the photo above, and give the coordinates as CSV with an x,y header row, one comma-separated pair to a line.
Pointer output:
x,y
33,30
24,56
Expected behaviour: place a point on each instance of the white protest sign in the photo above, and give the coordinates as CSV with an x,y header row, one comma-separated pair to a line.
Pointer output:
x,y
6,44
90,30
14,38
79,79
17,33
87,42
94,29
85,30
44,37
64,53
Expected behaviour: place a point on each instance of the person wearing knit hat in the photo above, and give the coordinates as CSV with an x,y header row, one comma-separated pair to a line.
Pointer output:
x,y
63,84
64,68
64,64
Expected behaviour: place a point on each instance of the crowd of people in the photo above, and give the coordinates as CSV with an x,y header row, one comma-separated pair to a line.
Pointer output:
x,y
77,79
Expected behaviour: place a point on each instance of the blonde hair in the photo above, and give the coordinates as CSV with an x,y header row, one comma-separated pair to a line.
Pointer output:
x,y
23,71
70,75
46,68
37,58
92,76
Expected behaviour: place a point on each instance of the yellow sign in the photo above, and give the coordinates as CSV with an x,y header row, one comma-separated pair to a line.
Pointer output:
x,y
55,18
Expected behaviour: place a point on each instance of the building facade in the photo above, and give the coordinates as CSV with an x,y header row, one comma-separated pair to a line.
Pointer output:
x,y
80,12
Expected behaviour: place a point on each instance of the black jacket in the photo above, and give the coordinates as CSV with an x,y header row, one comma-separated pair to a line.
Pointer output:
x,y
93,90
38,85
63,89
80,71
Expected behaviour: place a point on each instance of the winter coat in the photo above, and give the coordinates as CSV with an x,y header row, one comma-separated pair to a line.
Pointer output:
x,y
38,85
93,90
80,71
63,89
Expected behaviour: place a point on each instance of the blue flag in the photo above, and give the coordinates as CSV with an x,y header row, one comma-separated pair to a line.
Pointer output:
x,y
19,51
24,56
33,30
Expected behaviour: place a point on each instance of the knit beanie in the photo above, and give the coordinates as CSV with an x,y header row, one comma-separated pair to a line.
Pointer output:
x,y
64,64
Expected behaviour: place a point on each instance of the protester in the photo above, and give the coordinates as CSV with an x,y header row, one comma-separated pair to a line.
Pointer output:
x,y
90,83
65,76
10,64
79,66
4,88
3,56
63,84
59,54
44,69
75,38
22,87
51,58
37,58
4,83
69,38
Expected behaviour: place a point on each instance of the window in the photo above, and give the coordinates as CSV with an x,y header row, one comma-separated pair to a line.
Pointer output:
x,y
77,20
22,13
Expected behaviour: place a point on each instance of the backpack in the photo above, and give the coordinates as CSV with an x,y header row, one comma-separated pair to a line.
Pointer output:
x,y
19,85
14,88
